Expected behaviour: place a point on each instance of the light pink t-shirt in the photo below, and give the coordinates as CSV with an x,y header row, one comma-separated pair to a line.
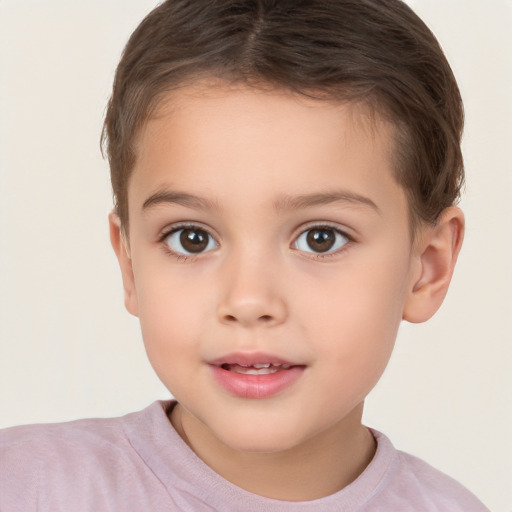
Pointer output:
x,y
138,463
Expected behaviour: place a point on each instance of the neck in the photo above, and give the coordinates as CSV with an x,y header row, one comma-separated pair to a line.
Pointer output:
x,y
318,467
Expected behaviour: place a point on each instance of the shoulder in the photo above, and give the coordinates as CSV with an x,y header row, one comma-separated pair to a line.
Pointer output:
x,y
438,486
61,442
55,464
39,456
411,480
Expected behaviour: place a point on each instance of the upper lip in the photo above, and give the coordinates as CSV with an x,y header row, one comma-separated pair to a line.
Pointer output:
x,y
250,359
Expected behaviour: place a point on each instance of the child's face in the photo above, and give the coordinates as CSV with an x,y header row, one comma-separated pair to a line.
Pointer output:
x,y
301,255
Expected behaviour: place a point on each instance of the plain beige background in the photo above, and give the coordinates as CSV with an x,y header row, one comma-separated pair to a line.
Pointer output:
x,y
67,347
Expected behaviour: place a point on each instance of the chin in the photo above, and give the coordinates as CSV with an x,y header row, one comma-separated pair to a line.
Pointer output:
x,y
261,444
258,436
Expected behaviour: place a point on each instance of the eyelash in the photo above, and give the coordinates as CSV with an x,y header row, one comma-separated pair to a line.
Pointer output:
x,y
304,229
181,258
322,226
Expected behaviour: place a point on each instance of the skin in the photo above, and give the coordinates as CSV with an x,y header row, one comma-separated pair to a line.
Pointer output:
x,y
248,155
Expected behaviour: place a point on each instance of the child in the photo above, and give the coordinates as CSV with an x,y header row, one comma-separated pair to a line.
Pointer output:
x,y
285,175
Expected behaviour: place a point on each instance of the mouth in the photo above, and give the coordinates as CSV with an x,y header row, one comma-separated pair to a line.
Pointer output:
x,y
255,375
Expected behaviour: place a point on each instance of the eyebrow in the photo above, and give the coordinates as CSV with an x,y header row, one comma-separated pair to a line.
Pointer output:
x,y
182,198
283,203
319,199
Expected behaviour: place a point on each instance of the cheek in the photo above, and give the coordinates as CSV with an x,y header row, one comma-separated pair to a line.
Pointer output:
x,y
170,313
359,316
171,339
353,351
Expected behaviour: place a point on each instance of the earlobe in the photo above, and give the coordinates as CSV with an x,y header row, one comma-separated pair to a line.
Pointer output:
x,y
121,248
435,257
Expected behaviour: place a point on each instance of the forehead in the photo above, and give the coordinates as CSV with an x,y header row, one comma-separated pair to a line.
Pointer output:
x,y
209,137
218,102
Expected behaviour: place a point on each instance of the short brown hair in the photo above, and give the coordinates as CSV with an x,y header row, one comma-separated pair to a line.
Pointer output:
x,y
373,51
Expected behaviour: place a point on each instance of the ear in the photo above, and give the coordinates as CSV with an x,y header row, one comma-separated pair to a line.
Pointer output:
x,y
121,248
435,255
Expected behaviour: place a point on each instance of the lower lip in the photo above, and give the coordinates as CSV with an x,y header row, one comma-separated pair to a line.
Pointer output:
x,y
256,386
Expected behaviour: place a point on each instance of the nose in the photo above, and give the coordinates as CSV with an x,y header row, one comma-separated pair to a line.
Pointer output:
x,y
251,294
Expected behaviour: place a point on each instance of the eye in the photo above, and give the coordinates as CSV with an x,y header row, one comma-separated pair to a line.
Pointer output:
x,y
190,240
321,239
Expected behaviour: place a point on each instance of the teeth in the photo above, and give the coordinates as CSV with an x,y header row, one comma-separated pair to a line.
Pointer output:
x,y
256,369
253,370
263,371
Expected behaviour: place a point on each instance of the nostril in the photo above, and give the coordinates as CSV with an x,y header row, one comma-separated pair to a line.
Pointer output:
x,y
263,318
251,311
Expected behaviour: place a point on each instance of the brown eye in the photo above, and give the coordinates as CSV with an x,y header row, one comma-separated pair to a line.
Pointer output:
x,y
194,240
321,240
190,241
